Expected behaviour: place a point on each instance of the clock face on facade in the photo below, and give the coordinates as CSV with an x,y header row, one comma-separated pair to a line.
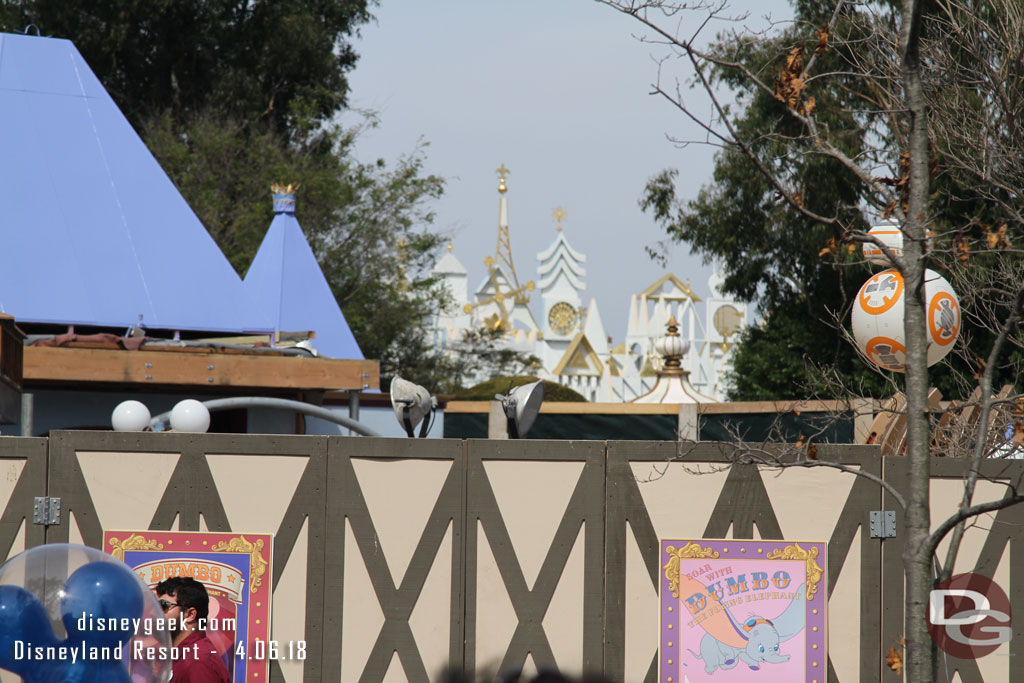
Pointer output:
x,y
563,318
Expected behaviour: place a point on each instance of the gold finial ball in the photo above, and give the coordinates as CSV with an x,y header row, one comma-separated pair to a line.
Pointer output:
x,y
450,246
502,188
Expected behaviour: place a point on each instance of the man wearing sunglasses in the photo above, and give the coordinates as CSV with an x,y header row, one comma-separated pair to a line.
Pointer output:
x,y
186,606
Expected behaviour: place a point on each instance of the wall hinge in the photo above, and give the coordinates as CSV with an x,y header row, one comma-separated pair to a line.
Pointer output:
x,y
46,511
883,524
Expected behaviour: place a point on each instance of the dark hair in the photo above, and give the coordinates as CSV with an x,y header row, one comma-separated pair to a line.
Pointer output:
x,y
187,592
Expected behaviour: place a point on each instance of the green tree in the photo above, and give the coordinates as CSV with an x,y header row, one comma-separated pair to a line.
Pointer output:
x,y
258,60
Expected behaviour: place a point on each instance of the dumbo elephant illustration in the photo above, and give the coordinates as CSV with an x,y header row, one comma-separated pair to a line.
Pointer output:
x,y
755,640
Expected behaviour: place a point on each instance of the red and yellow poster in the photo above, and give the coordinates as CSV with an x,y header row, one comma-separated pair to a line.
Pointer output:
x,y
236,571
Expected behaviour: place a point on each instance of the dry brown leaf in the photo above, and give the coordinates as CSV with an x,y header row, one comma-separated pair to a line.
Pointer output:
x,y
812,451
822,45
962,248
795,59
997,239
830,248
1018,407
895,660
800,441
1018,433
981,366
790,84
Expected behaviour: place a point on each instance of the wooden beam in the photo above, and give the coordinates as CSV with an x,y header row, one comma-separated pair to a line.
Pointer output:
x,y
195,368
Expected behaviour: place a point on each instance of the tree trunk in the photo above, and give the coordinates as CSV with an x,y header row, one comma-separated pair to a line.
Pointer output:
x,y
916,559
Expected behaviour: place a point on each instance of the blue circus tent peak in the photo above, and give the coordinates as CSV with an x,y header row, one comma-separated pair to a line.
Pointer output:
x,y
92,231
286,278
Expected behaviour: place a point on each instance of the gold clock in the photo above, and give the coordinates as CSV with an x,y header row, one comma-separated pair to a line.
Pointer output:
x,y
563,317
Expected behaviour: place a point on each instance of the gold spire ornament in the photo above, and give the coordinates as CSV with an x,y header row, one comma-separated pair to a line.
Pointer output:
x,y
502,172
290,188
505,290
284,197
559,214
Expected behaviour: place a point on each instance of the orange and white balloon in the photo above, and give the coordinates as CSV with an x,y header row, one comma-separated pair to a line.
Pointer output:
x,y
889,235
877,319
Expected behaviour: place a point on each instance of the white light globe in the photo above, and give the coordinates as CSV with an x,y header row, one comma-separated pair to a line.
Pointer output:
x,y
190,416
130,416
877,319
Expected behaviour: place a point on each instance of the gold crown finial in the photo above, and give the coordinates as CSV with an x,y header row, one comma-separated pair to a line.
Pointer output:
x,y
502,172
560,214
290,188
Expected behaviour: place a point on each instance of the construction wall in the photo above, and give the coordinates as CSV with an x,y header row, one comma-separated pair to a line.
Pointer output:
x,y
820,421
394,558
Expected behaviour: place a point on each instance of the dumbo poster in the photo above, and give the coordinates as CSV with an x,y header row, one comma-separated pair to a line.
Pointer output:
x,y
742,611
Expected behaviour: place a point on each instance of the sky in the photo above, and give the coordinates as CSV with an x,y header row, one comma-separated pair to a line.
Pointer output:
x,y
558,92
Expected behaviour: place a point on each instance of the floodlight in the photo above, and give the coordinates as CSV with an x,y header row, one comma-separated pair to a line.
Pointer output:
x,y
412,403
521,407
130,416
190,416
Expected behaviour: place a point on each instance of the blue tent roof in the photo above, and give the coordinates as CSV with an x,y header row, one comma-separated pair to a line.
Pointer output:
x,y
286,278
92,231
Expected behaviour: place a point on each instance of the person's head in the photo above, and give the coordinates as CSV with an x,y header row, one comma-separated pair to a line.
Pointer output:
x,y
182,598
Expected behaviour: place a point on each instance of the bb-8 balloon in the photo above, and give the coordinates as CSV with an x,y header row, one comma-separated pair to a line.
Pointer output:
x,y
877,319
891,236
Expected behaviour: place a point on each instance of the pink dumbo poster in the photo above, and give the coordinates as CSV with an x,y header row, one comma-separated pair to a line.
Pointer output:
x,y
734,610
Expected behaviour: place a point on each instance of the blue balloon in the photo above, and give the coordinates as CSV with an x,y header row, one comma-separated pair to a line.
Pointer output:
x,y
23,624
101,605
101,602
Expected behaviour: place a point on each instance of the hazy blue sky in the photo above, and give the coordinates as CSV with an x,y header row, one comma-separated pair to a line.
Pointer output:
x,y
557,90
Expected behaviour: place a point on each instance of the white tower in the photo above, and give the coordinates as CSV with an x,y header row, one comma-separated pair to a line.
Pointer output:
x,y
450,323
560,278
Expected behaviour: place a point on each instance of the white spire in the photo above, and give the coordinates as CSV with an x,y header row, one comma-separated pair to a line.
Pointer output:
x,y
593,330
561,261
633,326
659,319
448,265
715,282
